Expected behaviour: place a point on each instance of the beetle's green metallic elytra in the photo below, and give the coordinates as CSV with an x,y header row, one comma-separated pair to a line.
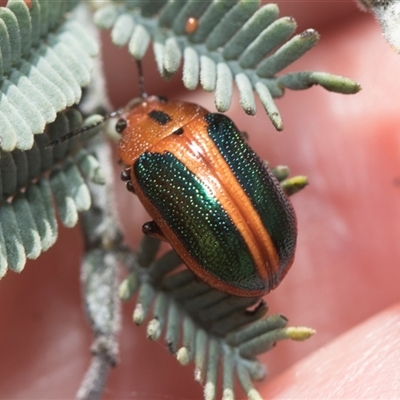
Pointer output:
x,y
207,229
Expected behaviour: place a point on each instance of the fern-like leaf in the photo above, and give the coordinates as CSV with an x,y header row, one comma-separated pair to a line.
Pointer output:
x,y
234,41
216,327
45,61
30,180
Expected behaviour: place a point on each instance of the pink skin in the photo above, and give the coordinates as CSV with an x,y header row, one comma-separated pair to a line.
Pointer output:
x,y
345,279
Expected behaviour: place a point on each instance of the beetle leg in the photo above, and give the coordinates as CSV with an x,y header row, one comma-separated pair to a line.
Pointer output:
x,y
129,187
245,135
126,175
152,229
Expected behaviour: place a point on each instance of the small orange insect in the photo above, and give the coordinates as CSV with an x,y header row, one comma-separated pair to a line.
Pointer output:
x,y
191,25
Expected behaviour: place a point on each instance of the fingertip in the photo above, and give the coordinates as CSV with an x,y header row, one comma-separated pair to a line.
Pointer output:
x,y
362,363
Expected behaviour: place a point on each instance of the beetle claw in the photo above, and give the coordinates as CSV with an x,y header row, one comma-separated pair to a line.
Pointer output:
x,y
152,229
130,187
126,175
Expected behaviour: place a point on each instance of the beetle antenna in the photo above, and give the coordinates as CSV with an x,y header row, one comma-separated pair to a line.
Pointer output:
x,y
143,93
113,114
83,129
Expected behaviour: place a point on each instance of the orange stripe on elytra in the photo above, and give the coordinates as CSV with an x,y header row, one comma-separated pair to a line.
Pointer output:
x,y
201,156
198,269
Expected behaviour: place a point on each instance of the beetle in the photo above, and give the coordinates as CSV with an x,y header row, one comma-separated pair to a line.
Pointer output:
x,y
208,194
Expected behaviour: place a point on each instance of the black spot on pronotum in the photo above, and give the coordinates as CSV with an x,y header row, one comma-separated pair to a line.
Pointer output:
x,y
121,125
178,131
160,117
